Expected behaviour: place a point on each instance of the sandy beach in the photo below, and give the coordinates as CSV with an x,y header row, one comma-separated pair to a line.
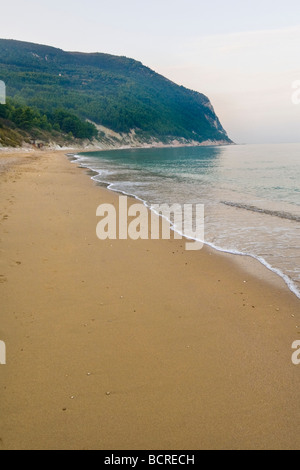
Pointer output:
x,y
132,344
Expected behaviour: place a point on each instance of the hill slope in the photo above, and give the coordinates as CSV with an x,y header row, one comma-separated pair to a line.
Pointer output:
x,y
20,124
118,93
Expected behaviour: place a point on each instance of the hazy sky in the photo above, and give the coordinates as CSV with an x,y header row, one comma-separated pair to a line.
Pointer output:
x,y
243,54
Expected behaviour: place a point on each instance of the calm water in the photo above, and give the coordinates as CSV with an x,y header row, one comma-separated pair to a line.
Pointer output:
x,y
251,194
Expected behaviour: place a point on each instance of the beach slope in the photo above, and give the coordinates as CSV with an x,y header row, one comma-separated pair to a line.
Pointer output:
x,y
132,344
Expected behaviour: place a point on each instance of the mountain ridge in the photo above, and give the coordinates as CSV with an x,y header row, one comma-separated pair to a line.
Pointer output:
x,y
114,92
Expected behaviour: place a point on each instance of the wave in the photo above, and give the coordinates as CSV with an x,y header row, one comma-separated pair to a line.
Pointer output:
x,y
281,214
112,187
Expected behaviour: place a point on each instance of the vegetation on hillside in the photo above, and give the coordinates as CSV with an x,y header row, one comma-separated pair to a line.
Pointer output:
x,y
115,92
19,123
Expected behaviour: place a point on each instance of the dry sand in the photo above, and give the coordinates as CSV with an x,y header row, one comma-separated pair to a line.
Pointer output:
x,y
132,344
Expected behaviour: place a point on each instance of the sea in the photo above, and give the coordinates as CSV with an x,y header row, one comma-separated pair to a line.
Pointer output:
x,y
251,194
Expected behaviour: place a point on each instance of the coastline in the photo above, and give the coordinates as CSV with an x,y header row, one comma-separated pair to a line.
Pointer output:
x,y
242,258
182,352
120,142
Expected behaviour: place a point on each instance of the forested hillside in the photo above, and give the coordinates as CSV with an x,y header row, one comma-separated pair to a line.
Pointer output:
x,y
118,93
21,123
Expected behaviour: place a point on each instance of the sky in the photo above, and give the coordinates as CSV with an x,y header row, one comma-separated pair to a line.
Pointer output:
x,y
244,55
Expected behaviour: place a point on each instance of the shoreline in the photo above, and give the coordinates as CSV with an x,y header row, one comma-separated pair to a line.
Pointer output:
x,y
132,344
240,257
96,147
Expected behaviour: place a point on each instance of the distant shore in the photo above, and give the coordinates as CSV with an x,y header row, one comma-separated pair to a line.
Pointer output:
x,y
120,143
132,344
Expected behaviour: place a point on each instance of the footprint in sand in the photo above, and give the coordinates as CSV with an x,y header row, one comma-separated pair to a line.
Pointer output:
x,y
2,279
